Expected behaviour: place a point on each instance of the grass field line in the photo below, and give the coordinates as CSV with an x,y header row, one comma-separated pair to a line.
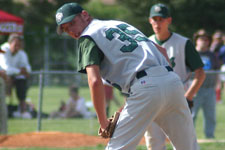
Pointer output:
x,y
59,132
210,141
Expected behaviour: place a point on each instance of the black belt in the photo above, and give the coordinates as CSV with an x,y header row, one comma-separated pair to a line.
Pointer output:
x,y
143,73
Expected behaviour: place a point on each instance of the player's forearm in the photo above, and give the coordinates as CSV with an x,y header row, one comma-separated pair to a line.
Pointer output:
x,y
97,93
98,98
196,83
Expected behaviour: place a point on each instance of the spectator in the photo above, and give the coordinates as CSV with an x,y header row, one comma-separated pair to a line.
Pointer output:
x,y
206,96
15,62
222,49
217,46
222,68
217,41
3,108
75,107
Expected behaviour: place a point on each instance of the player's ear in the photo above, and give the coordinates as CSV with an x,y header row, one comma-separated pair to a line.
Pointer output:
x,y
149,20
170,20
85,14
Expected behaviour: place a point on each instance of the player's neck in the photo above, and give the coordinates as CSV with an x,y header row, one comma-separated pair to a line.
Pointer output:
x,y
163,35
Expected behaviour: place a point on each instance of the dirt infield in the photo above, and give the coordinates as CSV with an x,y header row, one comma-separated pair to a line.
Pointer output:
x,y
61,140
51,139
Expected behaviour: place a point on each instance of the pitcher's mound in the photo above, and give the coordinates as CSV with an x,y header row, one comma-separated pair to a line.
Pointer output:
x,y
51,139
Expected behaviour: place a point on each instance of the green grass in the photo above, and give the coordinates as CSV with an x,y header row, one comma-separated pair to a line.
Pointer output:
x,y
206,146
86,126
51,100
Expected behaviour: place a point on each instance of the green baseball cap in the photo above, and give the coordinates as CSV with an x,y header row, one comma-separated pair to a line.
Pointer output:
x,y
160,10
66,13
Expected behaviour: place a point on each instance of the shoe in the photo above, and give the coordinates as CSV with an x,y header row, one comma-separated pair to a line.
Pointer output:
x,y
210,137
26,115
16,114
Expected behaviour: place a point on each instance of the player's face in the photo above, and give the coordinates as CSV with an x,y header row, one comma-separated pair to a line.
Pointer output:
x,y
159,24
76,26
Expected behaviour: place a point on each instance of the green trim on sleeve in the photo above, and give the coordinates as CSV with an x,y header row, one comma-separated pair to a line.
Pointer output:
x,y
192,57
88,54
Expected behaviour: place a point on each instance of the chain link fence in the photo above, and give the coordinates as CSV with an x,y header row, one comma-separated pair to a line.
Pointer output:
x,y
47,89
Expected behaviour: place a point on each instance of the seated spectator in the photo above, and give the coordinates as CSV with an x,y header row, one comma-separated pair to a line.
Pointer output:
x,y
15,62
74,108
206,96
30,107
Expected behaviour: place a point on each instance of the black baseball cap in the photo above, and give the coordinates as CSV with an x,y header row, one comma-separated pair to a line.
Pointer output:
x,y
66,13
160,10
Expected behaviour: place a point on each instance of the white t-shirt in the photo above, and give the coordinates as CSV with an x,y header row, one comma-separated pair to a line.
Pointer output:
x,y
80,107
12,63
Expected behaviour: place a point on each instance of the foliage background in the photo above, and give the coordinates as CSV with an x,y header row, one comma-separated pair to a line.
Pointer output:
x,y
188,15
43,44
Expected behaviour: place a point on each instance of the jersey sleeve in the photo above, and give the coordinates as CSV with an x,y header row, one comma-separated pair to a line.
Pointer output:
x,y
88,54
192,57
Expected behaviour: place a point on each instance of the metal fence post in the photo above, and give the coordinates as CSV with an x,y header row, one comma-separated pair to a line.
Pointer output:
x,y
41,86
46,55
3,109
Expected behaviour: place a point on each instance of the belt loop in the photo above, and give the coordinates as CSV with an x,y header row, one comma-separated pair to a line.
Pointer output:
x,y
169,68
141,74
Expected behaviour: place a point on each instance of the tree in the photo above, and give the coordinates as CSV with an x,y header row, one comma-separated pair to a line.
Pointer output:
x,y
40,27
188,15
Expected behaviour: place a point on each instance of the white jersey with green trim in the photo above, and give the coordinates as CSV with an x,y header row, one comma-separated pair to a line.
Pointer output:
x,y
126,51
175,47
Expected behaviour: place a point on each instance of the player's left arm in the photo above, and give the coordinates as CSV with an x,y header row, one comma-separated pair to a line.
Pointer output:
x,y
194,62
97,94
199,78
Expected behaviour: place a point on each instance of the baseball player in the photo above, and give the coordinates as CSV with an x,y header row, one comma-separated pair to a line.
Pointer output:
x,y
184,59
124,57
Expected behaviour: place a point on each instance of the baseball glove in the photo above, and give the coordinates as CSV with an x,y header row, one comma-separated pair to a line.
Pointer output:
x,y
108,132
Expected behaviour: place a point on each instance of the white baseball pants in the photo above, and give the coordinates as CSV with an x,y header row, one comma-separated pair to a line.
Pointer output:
x,y
158,97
